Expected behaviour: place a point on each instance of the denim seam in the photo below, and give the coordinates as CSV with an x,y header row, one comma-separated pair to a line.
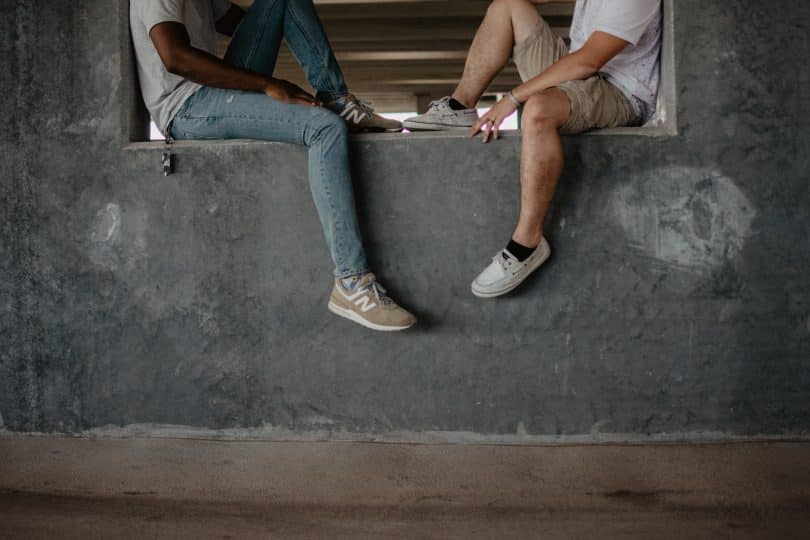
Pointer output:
x,y
302,28
339,264
236,117
260,34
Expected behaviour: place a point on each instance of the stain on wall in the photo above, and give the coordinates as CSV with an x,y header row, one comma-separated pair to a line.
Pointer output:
x,y
695,219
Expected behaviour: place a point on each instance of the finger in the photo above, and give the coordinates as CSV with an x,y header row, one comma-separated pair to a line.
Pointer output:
x,y
299,93
496,131
476,128
306,97
301,101
487,132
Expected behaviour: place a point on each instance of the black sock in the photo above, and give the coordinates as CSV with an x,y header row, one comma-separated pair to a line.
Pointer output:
x,y
456,105
520,251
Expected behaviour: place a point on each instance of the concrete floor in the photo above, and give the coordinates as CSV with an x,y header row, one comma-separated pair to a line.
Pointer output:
x,y
84,488
25,516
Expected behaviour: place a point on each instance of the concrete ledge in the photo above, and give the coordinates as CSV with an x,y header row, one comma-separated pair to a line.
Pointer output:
x,y
656,315
282,434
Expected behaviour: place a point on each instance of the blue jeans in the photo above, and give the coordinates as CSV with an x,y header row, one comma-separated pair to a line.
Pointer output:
x,y
214,113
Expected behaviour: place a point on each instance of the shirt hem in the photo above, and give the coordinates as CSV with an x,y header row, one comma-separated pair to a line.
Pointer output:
x,y
619,34
165,124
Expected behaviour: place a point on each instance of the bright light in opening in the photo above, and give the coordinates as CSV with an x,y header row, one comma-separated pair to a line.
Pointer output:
x,y
510,123
154,133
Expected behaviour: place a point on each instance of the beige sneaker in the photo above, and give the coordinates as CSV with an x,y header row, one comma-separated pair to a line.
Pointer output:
x,y
367,304
360,116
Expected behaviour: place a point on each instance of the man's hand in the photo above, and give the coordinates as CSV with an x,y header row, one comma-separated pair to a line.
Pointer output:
x,y
287,92
491,122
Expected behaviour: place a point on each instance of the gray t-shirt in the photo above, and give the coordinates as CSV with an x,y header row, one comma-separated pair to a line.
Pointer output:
x,y
635,70
163,92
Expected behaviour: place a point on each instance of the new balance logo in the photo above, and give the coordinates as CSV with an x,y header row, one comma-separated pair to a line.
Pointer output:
x,y
361,300
351,113
365,304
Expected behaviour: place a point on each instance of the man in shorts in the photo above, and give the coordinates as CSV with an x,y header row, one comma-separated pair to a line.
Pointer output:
x,y
607,78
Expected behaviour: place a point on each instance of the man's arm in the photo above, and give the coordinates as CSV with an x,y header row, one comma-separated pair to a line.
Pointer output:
x,y
173,44
600,49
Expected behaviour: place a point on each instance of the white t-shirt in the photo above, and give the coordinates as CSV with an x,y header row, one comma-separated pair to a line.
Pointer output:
x,y
635,70
164,93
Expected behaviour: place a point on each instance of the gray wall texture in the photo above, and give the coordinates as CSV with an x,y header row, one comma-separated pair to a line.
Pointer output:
x,y
677,300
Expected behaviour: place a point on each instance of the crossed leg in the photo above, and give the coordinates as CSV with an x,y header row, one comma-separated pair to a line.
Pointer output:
x,y
255,45
506,23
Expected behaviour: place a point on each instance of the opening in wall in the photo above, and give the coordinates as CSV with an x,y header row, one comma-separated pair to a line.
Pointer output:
x,y
401,54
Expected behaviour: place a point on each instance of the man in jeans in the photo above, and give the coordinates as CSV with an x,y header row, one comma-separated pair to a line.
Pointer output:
x,y
192,94
609,78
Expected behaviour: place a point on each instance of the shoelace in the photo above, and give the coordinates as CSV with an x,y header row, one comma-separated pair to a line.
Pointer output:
x,y
366,106
505,262
377,290
436,105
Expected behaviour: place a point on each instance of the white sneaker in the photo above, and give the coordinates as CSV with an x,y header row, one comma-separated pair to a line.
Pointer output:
x,y
506,272
440,116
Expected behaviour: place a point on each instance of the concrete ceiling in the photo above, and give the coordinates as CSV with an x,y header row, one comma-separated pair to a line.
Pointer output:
x,y
402,53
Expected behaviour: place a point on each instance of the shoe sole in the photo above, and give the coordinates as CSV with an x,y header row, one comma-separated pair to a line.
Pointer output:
x,y
512,287
354,317
419,126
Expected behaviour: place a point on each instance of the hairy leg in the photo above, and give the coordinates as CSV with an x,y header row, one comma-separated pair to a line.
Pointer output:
x,y
541,161
507,22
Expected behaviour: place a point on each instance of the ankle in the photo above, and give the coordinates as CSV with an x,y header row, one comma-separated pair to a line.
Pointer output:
x,y
528,239
463,100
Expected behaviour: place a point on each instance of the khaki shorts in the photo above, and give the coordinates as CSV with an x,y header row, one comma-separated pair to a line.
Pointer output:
x,y
595,102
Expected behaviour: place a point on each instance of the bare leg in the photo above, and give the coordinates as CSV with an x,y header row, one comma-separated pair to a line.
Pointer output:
x,y
507,22
541,161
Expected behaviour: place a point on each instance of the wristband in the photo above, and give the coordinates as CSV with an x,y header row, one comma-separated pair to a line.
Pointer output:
x,y
515,100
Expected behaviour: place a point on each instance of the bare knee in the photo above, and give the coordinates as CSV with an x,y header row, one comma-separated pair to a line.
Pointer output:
x,y
542,112
511,4
507,7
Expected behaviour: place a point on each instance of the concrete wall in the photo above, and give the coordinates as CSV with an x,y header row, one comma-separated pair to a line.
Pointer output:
x,y
677,301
